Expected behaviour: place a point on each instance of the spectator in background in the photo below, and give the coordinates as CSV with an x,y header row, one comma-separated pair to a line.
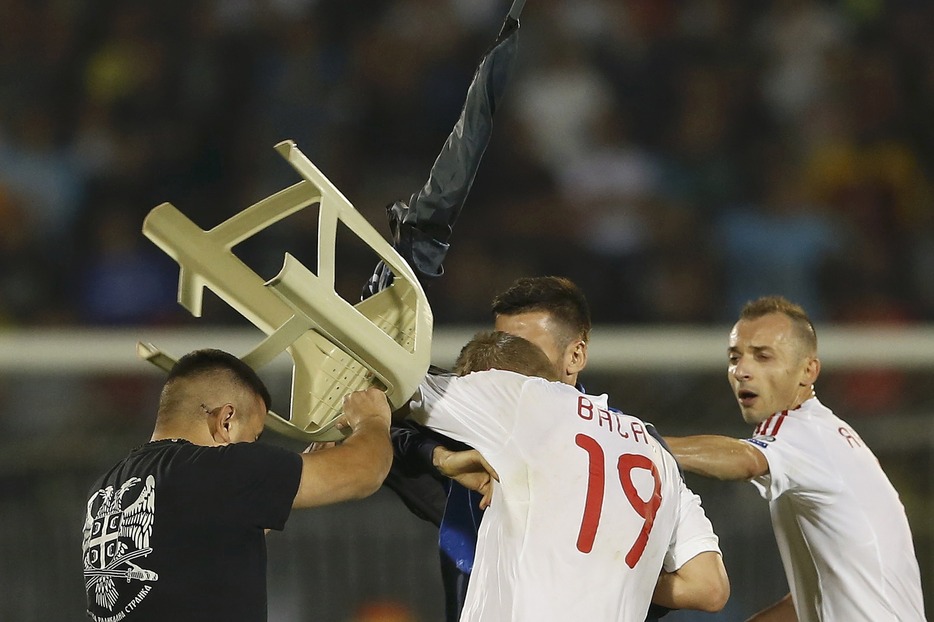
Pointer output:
x,y
42,172
611,191
798,39
560,100
124,282
866,171
781,243
28,280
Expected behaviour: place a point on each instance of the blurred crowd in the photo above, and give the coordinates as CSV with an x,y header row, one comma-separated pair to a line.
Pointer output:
x,y
674,157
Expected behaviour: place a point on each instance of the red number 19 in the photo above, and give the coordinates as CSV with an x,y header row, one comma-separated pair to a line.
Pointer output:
x,y
593,506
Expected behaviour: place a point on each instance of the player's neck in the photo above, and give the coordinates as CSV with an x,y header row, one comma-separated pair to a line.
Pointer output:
x,y
195,436
804,394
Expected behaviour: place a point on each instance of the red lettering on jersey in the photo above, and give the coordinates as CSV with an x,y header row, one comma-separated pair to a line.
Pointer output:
x,y
604,415
637,431
596,482
584,408
593,506
646,509
851,438
619,427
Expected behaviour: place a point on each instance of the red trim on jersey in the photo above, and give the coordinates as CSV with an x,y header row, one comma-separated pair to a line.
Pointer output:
x,y
763,428
778,423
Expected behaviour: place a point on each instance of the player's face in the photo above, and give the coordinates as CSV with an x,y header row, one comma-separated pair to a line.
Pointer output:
x,y
768,369
539,328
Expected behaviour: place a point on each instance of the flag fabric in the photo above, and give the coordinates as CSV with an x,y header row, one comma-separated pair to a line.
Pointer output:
x,y
421,229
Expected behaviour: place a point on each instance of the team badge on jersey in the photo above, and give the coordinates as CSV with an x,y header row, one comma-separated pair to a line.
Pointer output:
x,y
117,532
760,442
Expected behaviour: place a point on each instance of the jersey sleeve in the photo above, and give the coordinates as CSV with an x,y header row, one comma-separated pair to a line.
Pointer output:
x,y
774,483
412,449
260,482
693,532
478,409
797,462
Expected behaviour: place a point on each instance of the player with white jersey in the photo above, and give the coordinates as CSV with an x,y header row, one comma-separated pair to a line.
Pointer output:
x,y
589,508
841,529
856,560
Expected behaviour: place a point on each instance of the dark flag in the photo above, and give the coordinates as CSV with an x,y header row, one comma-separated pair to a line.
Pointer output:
x,y
421,229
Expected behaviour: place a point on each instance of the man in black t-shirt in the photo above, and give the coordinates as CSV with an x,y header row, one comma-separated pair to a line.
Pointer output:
x,y
176,530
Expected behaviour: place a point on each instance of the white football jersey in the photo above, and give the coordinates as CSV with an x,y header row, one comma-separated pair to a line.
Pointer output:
x,y
589,507
841,529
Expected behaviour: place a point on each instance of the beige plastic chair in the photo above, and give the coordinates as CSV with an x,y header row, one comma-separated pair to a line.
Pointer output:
x,y
336,347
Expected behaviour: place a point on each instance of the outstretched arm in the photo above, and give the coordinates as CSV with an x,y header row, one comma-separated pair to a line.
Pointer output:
x,y
421,452
782,611
720,457
701,583
469,469
414,448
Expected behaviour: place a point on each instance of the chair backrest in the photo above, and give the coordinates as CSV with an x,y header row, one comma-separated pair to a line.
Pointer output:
x,y
336,347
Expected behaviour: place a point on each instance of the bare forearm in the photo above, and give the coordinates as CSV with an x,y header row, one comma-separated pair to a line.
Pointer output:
x,y
701,584
720,457
353,469
782,611
372,454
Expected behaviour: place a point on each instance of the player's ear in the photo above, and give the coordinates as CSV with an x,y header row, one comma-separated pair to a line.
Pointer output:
x,y
811,371
577,357
221,422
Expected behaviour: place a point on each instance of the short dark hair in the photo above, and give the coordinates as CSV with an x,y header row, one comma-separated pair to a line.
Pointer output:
x,y
766,305
209,360
556,295
493,349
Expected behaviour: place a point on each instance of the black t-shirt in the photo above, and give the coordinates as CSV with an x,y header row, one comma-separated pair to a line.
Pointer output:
x,y
175,531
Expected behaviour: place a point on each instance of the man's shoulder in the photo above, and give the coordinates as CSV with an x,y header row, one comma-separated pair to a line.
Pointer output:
x,y
808,419
491,380
801,429
257,456
184,457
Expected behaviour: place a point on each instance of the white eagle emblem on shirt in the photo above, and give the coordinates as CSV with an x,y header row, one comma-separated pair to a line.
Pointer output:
x,y
116,535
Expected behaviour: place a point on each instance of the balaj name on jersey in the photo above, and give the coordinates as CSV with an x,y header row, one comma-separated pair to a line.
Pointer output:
x,y
611,421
